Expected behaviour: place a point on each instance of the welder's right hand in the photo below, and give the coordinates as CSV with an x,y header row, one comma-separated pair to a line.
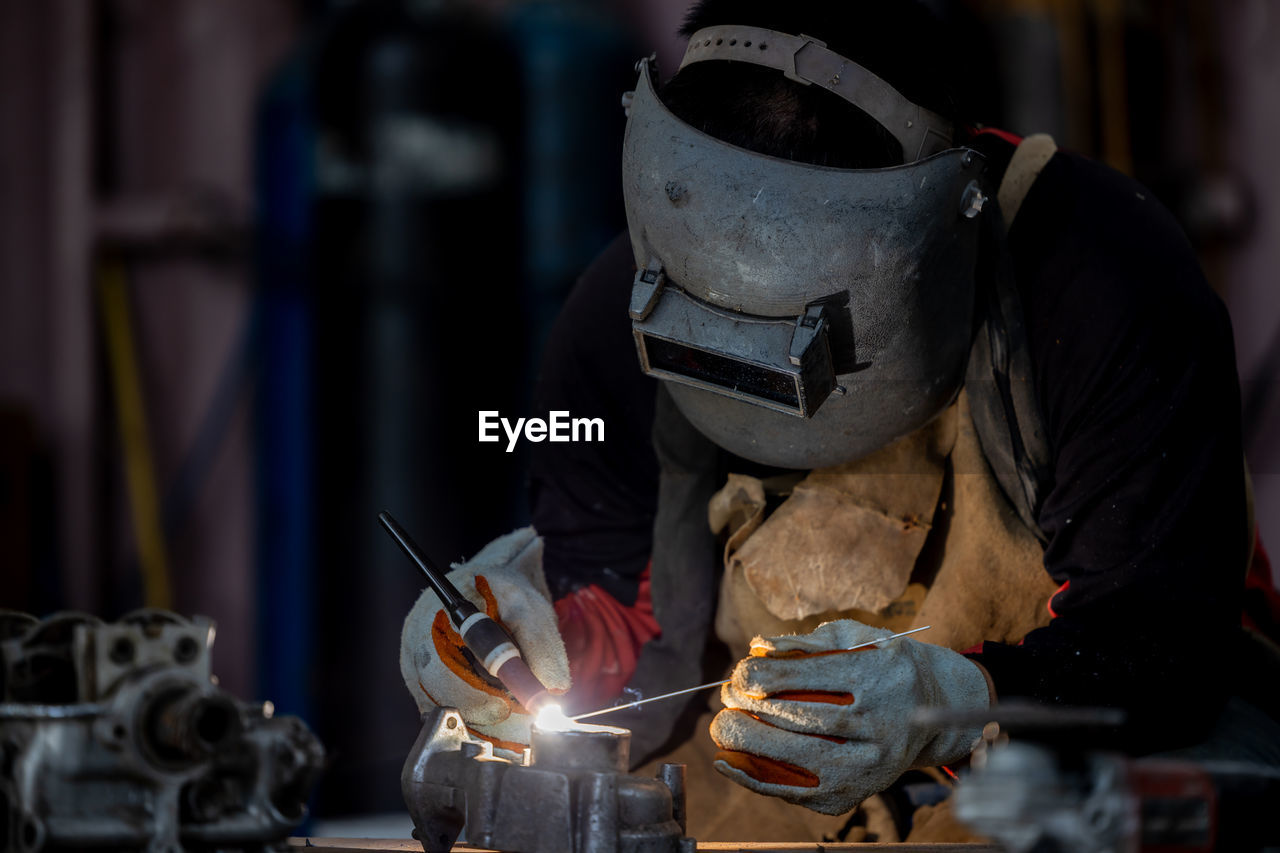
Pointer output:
x,y
505,581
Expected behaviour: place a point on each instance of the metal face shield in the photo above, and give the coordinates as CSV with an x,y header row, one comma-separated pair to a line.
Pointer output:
x,y
801,315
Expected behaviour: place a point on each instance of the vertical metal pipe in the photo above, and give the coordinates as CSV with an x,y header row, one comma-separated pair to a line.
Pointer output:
x,y
672,775
598,811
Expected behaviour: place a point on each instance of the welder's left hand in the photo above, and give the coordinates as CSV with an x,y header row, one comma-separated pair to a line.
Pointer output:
x,y
806,721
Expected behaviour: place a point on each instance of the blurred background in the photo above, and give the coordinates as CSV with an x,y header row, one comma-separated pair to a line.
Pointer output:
x,y
262,262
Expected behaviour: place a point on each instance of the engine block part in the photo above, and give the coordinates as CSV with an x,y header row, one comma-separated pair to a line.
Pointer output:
x,y
115,735
569,794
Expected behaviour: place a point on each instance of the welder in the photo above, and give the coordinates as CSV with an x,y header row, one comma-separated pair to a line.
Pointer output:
x,y
912,372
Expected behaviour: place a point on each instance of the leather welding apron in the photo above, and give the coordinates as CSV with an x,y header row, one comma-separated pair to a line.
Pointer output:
x,y
918,533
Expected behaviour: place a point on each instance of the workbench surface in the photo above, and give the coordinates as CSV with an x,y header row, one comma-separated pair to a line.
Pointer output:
x,y
378,845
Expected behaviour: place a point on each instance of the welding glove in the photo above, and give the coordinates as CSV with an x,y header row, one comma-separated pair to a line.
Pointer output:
x,y
806,721
504,580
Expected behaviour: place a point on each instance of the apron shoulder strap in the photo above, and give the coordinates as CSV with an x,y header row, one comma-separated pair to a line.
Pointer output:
x,y
1031,155
1006,413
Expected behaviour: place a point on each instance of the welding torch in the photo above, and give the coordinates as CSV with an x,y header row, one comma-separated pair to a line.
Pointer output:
x,y
493,647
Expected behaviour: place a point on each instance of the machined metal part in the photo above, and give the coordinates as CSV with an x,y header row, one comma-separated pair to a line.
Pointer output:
x,y
1033,781
115,735
1023,797
1038,780
1033,796
569,794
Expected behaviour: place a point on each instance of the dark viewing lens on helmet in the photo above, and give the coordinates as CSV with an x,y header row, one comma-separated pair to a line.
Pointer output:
x,y
781,363
737,377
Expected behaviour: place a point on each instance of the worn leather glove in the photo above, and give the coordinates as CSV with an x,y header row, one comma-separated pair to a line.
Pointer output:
x,y
826,728
504,580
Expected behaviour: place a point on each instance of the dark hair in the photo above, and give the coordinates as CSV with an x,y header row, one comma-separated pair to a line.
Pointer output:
x,y
757,108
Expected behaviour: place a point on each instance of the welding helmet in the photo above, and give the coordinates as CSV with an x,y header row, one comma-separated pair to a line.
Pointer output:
x,y
800,315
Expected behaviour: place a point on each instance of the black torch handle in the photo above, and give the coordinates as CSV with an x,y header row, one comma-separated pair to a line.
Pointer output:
x,y
454,603
493,646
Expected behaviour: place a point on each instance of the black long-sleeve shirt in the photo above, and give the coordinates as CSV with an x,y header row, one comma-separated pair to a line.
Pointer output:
x,y
1136,381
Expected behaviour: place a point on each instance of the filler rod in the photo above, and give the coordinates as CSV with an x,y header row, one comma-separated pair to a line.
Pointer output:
x,y
727,680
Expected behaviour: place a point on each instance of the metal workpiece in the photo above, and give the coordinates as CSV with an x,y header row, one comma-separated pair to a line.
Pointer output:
x,y
115,735
603,749
569,793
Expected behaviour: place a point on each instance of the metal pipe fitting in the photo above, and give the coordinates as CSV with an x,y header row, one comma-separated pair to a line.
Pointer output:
x,y
191,724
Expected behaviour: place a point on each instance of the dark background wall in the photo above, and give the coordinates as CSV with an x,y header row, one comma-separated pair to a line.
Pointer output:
x,y
155,305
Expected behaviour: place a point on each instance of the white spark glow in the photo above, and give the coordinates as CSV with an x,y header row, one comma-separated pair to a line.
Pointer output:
x,y
551,718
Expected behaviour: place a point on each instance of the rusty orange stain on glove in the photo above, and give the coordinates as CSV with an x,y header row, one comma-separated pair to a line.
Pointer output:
x,y
827,697
449,647
794,654
499,743
768,770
